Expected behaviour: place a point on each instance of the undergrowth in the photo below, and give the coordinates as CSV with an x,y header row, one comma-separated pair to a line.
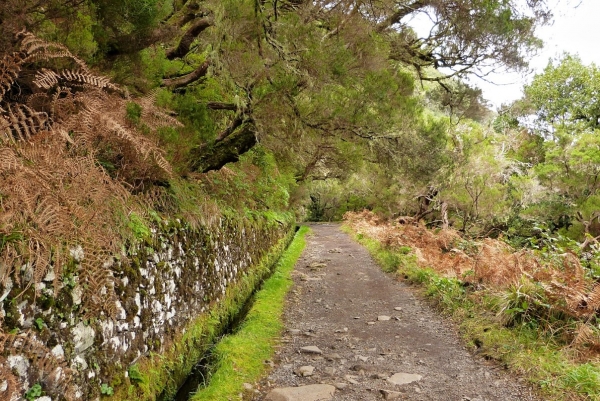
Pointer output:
x,y
506,326
239,358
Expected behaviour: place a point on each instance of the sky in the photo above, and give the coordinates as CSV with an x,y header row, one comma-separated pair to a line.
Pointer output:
x,y
576,30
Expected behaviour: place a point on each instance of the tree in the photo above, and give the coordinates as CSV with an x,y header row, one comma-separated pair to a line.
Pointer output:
x,y
565,97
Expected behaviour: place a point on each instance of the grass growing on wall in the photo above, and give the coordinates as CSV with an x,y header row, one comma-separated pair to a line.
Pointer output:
x,y
240,357
522,348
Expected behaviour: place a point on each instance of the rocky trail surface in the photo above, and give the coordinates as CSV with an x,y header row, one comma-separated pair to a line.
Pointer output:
x,y
356,333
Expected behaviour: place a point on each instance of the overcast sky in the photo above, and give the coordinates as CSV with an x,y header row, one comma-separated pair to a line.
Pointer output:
x,y
576,30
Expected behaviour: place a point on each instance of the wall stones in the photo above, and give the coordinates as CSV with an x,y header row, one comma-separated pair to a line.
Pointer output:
x,y
161,284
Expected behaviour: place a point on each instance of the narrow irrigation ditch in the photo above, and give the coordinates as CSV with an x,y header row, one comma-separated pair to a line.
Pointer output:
x,y
259,319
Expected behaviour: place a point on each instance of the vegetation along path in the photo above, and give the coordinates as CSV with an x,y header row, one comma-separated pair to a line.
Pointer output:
x,y
355,333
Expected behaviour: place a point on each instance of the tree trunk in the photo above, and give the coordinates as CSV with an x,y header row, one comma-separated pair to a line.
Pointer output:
x,y
188,38
228,150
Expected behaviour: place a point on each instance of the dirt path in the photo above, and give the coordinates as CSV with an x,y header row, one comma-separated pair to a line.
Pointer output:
x,y
339,295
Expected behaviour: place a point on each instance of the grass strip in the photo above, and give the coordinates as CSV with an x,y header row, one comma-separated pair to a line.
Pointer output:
x,y
523,349
239,357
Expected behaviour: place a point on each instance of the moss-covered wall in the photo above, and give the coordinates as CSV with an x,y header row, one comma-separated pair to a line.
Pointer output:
x,y
171,294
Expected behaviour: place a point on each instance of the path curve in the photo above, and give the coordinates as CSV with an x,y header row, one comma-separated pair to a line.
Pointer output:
x,y
338,296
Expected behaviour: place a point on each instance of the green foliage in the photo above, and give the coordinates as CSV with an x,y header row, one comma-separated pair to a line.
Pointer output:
x,y
105,389
561,96
34,392
138,226
39,323
135,375
133,112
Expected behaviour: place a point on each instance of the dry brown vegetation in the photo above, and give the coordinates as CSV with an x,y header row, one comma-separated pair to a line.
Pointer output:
x,y
70,160
557,286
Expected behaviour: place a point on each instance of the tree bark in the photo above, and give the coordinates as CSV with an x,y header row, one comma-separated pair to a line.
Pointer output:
x,y
179,82
188,38
222,106
228,150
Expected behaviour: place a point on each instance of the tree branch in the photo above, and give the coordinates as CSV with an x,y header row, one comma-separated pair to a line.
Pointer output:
x,y
222,106
401,13
188,38
187,79
227,150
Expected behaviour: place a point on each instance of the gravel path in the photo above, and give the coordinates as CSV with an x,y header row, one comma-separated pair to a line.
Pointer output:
x,y
367,328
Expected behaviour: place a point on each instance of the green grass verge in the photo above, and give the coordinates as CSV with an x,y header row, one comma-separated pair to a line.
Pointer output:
x,y
240,357
523,348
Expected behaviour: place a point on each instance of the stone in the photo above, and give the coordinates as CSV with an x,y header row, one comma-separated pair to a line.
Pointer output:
x,y
340,386
76,294
305,371
398,308
311,349
83,338
390,395
333,357
44,398
329,371
313,392
58,351
50,276
404,378
317,265
383,318
370,323
351,379
294,332
18,364
248,386
380,376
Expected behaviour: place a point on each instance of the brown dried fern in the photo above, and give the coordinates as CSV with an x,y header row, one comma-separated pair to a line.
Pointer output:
x,y
9,382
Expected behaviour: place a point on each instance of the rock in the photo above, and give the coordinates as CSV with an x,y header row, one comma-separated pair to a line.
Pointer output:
x,y
380,376
83,337
383,318
351,379
370,323
44,398
390,395
311,349
340,386
333,357
329,371
58,351
294,332
398,308
248,386
317,265
305,371
314,392
362,358
404,378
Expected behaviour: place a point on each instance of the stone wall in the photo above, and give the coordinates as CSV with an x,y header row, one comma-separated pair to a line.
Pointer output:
x,y
51,343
